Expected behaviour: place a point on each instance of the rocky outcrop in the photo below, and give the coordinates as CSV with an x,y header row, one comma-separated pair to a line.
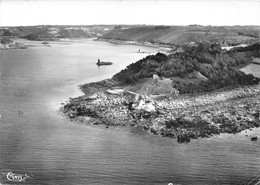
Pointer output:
x,y
101,63
183,118
254,138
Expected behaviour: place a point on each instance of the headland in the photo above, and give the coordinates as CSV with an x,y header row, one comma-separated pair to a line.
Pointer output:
x,y
197,91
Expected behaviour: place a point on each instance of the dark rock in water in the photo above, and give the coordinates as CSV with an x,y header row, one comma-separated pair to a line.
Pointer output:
x,y
107,126
254,138
168,134
45,43
99,63
98,122
183,138
155,132
146,127
104,63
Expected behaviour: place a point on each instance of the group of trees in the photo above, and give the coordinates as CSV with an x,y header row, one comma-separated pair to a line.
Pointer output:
x,y
215,64
61,33
249,34
5,32
252,50
5,40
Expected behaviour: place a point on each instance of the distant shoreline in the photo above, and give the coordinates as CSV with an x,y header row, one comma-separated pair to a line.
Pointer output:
x,y
24,43
141,43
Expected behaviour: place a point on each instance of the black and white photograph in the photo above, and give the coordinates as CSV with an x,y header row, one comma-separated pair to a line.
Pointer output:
x,y
129,92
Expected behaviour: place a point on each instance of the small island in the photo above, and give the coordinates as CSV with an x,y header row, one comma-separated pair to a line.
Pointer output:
x,y
46,43
99,63
195,92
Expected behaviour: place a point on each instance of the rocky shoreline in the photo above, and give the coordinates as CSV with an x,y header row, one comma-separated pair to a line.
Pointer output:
x,y
13,45
183,117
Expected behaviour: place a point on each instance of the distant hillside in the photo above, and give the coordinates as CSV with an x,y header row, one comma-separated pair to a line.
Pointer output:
x,y
47,32
225,35
200,67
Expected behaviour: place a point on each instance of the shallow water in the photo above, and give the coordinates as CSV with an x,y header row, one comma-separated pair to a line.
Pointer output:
x,y
35,139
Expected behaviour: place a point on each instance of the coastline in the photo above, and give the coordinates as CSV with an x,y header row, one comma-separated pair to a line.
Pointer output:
x,y
20,43
163,47
184,117
124,101
13,45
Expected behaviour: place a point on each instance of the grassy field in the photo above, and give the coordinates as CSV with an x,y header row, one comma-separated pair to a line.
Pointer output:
x,y
180,34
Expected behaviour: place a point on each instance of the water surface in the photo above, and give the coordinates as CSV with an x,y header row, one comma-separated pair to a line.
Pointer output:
x,y
37,140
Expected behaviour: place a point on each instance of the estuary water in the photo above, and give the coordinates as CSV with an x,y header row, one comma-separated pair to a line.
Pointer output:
x,y
36,140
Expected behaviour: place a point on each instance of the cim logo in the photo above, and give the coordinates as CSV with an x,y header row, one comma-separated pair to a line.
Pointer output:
x,y
16,177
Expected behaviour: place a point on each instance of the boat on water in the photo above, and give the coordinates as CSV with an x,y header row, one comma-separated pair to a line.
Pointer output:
x,y
100,63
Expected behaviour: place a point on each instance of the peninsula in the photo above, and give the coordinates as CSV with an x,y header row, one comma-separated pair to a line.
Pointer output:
x,y
196,91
